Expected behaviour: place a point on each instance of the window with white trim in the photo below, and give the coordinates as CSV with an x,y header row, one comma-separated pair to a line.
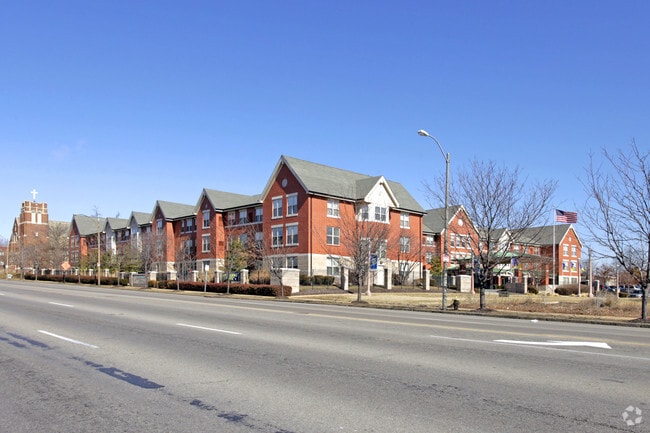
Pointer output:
x,y
292,204
205,243
292,262
333,266
333,208
243,216
258,214
276,236
206,219
380,213
292,234
404,221
277,207
333,236
405,244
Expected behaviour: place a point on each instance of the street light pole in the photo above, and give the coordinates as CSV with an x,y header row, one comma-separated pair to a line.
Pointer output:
x,y
445,255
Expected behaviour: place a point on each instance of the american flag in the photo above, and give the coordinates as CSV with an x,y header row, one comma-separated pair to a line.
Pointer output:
x,y
566,217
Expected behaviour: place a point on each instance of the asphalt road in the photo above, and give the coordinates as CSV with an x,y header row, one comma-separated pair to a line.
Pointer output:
x,y
83,359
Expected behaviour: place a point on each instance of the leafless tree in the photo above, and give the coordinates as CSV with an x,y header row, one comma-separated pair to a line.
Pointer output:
x,y
502,205
618,210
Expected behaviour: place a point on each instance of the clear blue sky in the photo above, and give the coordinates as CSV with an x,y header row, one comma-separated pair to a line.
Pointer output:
x,y
112,105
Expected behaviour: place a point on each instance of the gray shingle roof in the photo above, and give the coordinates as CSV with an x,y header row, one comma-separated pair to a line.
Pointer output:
x,y
222,200
434,220
174,211
335,182
87,225
117,223
140,218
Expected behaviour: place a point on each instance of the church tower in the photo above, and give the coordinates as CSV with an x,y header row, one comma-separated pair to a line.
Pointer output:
x,y
29,234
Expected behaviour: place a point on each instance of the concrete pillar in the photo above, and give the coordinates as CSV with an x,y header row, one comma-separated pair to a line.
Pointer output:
x,y
244,277
427,279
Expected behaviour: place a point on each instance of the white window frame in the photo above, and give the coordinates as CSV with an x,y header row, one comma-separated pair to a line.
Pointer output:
x,y
333,208
292,204
276,203
206,219
205,243
404,244
381,214
277,236
404,221
333,236
292,234
259,214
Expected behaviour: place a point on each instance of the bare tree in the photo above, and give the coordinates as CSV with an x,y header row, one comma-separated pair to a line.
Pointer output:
x,y
361,237
618,211
502,205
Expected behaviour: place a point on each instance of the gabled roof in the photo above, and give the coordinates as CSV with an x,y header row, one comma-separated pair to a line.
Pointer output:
x,y
173,211
117,223
544,235
434,220
87,225
334,182
140,218
221,200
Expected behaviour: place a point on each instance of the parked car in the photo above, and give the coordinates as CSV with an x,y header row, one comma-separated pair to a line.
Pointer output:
x,y
636,292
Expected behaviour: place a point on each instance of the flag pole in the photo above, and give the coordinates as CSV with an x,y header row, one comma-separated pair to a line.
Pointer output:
x,y
554,267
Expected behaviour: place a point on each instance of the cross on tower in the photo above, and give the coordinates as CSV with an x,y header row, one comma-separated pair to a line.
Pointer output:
x,y
33,193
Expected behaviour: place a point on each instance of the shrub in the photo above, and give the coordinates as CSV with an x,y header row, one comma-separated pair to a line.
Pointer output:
x,y
567,290
235,289
532,290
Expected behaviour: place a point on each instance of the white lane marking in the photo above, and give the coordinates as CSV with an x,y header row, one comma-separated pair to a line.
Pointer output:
x,y
70,340
209,329
61,305
599,345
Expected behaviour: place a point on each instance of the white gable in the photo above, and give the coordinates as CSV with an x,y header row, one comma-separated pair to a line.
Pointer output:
x,y
380,195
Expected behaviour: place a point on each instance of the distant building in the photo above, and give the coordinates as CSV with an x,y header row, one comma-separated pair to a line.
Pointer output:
x,y
35,241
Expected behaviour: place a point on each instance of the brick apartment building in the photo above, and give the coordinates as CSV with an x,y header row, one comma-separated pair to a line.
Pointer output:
x,y
304,218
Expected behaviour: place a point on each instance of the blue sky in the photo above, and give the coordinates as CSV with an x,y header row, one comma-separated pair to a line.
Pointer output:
x,y
112,105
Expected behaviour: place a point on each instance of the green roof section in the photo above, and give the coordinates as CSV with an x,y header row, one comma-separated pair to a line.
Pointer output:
x,y
334,182
222,200
173,211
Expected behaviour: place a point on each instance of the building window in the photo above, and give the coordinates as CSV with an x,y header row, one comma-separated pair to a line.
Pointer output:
x,y
333,266
243,238
292,234
380,213
276,236
404,244
243,216
429,240
258,214
292,262
333,236
565,250
364,214
574,250
382,246
206,219
159,224
205,244
292,204
428,257
259,238
277,207
333,208
231,218
404,221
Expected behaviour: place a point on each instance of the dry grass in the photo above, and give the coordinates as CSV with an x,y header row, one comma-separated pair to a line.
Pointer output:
x,y
603,307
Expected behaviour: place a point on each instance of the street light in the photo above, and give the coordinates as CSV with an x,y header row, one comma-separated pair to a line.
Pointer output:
x,y
445,256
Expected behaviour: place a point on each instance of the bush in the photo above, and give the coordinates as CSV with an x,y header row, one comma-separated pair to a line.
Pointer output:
x,y
316,280
533,290
235,289
567,290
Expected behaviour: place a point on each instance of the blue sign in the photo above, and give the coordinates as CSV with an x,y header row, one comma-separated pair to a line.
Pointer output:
x,y
373,262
